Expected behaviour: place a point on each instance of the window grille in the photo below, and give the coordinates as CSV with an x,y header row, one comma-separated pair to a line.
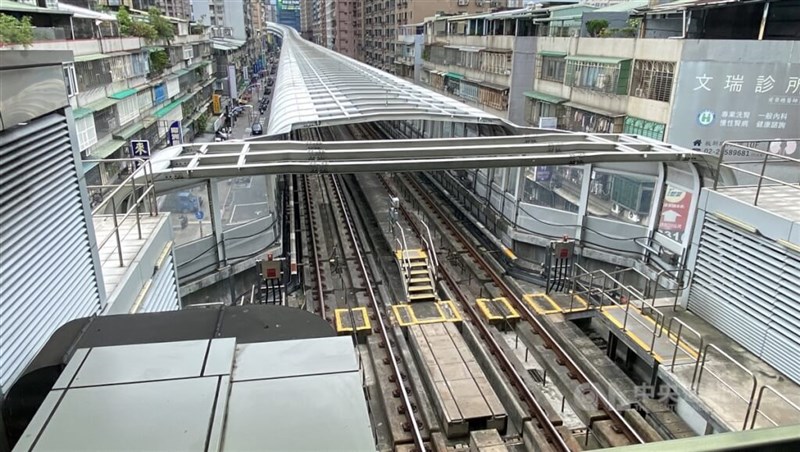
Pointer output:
x,y
653,79
594,76
493,98
87,134
468,91
552,68
128,109
496,62
70,79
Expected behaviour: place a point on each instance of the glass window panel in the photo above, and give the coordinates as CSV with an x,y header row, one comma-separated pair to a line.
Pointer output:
x,y
558,187
187,205
621,196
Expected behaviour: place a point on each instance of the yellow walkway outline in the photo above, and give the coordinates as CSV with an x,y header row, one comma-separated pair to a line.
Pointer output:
x,y
484,308
340,328
683,345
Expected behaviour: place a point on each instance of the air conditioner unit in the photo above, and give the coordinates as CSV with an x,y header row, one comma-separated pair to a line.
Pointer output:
x,y
463,2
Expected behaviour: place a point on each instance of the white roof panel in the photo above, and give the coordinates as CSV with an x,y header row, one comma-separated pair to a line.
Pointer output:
x,y
316,86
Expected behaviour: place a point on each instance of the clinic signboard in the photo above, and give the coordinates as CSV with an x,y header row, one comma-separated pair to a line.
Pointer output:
x,y
747,91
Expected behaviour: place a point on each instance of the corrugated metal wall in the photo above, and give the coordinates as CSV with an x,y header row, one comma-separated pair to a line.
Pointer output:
x,y
748,286
163,294
47,276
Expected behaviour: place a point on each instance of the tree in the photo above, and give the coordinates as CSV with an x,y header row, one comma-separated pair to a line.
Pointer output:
x,y
159,60
201,123
15,31
596,27
124,19
162,26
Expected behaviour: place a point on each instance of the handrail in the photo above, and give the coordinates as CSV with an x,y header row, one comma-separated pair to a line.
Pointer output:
x,y
756,409
740,366
681,326
432,247
144,168
403,256
681,282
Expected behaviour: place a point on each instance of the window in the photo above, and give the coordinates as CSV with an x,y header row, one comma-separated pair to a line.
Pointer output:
x,y
128,109
470,59
87,136
140,64
643,127
468,91
173,87
188,53
604,77
552,68
145,100
496,62
70,79
653,79
493,98
117,66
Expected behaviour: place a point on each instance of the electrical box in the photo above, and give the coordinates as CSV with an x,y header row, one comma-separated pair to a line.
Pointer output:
x,y
271,269
563,249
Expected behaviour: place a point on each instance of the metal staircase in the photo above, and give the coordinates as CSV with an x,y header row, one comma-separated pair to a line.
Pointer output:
x,y
418,275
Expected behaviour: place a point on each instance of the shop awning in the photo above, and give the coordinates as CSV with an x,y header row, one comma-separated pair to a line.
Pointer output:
x,y
123,94
596,59
105,149
168,108
609,114
128,132
81,112
455,75
494,86
552,53
538,95
101,104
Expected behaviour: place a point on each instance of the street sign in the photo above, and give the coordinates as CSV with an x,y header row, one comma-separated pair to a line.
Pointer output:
x,y
140,149
199,215
175,134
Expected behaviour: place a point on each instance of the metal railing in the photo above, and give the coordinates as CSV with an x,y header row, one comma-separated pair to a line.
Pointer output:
x,y
761,163
606,288
678,277
695,386
404,259
757,407
431,249
126,189
690,350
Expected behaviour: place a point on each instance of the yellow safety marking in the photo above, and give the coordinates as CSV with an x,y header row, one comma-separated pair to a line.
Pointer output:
x,y
419,280
453,309
414,320
411,254
410,314
529,298
421,296
420,289
682,344
339,315
483,305
581,301
510,254
630,334
419,272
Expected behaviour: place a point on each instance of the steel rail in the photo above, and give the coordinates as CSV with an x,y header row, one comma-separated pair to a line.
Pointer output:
x,y
417,434
603,403
516,379
314,249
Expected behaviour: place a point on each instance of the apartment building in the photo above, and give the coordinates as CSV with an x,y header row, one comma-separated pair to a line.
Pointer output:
x,y
655,73
123,89
381,21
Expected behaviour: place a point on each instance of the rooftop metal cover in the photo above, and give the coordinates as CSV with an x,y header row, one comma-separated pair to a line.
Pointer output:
x,y
316,86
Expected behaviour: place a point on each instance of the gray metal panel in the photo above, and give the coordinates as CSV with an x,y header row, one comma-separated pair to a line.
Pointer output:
x,y
219,359
163,293
29,93
71,369
746,285
39,421
290,358
47,267
155,416
310,413
142,362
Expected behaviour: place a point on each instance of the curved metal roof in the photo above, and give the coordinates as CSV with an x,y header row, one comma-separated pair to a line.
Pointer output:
x,y
316,86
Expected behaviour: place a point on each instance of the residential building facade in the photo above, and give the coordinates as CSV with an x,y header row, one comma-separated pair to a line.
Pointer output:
x,y
123,89
288,13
